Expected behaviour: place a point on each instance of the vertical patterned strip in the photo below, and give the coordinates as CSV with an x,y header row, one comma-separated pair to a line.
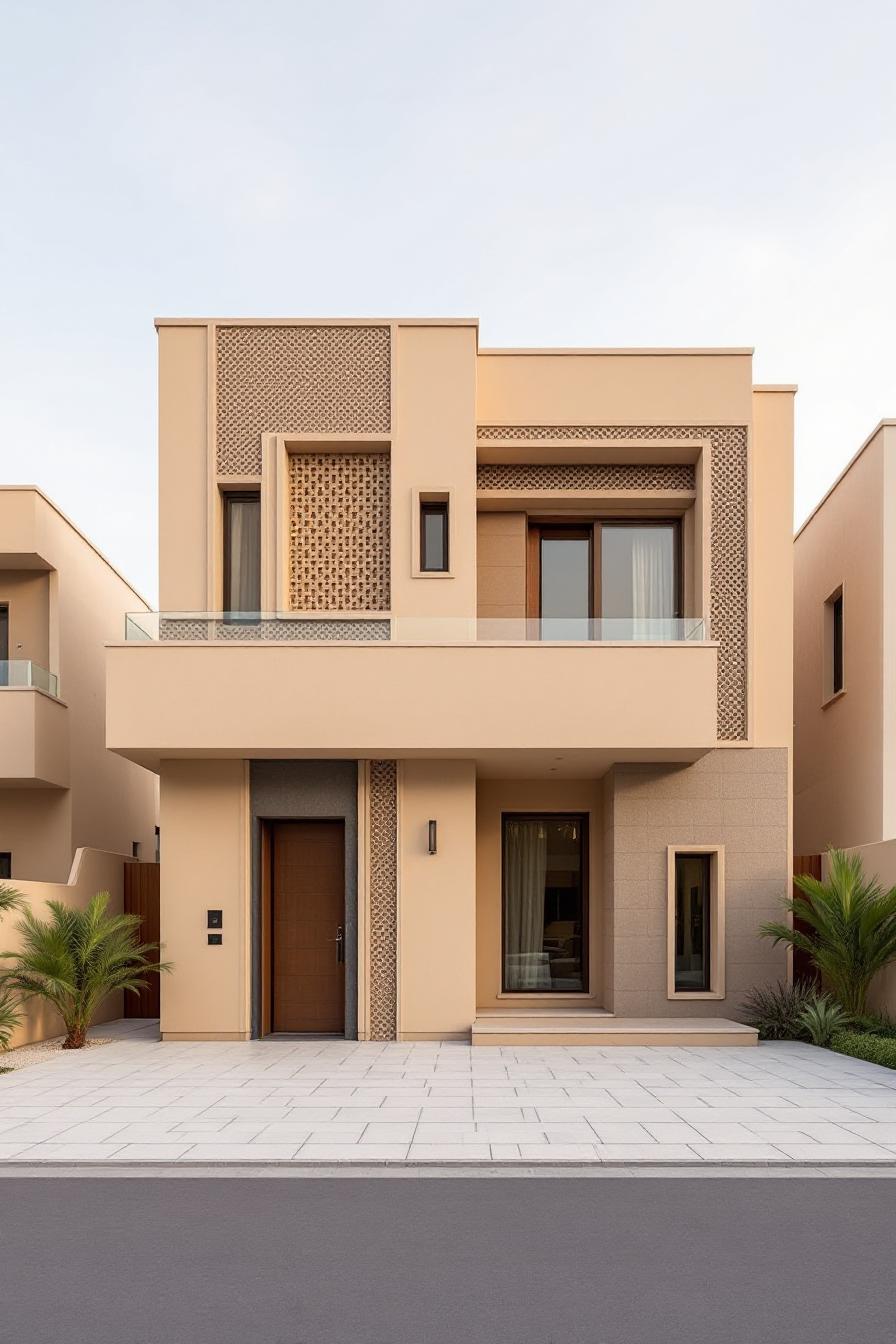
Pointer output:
x,y
383,833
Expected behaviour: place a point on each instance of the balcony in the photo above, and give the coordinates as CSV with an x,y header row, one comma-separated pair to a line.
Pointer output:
x,y
34,748
514,695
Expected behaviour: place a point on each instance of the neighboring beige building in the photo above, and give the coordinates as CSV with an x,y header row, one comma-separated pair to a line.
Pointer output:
x,y
471,692
60,600
845,683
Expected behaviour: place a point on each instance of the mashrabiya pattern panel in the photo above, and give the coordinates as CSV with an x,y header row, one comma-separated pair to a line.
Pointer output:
x,y
586,476
272,380
382,953
339,545
728,562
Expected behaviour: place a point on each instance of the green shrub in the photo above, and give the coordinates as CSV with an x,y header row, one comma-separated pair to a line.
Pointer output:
x,y
822,1018
848,928
877,1024
861,1045
775,1010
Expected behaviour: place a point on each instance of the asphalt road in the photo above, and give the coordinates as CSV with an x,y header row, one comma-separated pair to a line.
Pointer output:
x,y
446,1261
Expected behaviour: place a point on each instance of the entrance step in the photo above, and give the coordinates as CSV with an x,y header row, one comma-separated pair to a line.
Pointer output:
x,y
568,1027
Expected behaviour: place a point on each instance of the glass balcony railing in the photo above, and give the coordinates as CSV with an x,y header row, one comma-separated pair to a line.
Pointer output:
x,y
374,627
22,672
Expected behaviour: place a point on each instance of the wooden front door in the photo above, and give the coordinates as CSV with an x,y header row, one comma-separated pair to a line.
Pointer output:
x,y
307,917
141,898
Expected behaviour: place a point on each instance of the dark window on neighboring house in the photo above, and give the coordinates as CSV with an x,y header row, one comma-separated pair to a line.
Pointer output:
x,y
693,901
4,643
5,865
434,536
837,644
242,552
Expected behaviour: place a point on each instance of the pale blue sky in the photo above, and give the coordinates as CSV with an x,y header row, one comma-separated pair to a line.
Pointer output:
x,y
571,173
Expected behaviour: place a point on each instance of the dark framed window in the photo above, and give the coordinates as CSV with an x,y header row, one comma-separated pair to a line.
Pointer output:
x,y
434,536
5,865
837,643
625,573
544,903
242,552
693,917
4,643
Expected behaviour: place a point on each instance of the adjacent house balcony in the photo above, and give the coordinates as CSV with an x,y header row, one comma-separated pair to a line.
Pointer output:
x,y
514,695
34,747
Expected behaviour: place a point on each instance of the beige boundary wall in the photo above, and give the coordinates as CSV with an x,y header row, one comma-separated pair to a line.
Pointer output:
x,y
93,870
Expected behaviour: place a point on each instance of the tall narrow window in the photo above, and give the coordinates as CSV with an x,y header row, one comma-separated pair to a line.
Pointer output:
x,y
837,644
4,643
693,901
242,553
434,536
5,864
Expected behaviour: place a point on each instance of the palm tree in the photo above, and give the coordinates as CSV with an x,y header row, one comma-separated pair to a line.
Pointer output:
x,y
10,1017
75,958
850,928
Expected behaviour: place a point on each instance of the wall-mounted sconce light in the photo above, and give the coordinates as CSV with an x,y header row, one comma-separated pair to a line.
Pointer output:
x,y
432,837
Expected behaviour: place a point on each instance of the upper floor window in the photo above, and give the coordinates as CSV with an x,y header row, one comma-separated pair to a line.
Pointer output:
x,y
434,536
626,573
242,551
833,620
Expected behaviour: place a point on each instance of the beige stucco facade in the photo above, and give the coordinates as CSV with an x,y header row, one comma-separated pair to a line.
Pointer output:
x,y
439,690
845,739
60,789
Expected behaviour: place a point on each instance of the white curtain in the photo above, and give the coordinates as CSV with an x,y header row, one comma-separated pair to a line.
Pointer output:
x,y
653,583
525,869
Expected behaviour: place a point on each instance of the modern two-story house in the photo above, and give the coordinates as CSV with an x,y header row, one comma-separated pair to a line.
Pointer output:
x,y
60,789
471,689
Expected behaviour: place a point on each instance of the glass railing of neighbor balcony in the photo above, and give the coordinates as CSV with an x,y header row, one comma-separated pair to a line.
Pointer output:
x,y
373,627
22,672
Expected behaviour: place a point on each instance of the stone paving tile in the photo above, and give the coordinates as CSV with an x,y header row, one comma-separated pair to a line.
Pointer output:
x,y
337,1100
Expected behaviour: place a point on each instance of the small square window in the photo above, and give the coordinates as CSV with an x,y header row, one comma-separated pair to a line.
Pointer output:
x,y
434,536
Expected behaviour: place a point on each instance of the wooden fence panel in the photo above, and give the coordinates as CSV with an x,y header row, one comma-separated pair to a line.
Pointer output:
x,y
141,897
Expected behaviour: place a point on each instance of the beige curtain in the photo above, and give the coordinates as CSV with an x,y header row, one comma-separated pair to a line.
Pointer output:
x,y
525,868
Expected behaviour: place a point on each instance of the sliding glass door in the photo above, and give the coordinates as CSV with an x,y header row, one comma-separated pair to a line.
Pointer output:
x,y
608,579
545,903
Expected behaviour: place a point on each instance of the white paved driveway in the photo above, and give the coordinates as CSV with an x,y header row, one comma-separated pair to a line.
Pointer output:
x,y
142,1100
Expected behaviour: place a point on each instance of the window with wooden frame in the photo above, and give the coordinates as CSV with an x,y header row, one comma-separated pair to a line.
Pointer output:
x,y
696,922
607,578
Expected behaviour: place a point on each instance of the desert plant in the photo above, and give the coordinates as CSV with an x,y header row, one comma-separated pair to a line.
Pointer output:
x,y
861,1045
75,958
850,928
10,1017
821,1018
774,1010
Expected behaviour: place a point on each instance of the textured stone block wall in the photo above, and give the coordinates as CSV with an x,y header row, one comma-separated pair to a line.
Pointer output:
x,y
736,798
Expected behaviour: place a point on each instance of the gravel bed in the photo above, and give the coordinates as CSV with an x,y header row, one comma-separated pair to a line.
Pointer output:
x,y
40,1051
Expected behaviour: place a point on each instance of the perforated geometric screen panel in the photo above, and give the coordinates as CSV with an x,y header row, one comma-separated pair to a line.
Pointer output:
x,y
728,540
270,380
339,545
586,476
383,833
